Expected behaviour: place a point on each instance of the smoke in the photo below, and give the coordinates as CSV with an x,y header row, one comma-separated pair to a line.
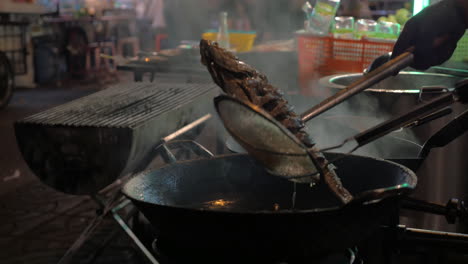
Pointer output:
x,y
356,115
346,120
271,20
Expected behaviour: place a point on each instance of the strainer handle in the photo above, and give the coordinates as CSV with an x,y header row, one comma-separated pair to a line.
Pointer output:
x,y
390,68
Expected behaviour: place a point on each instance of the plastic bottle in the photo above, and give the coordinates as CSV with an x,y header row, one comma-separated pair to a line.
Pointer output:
x,y
323,15
344,27
223,32
366,28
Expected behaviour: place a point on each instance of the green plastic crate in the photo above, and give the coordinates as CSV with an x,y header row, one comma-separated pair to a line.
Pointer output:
x,y
461,52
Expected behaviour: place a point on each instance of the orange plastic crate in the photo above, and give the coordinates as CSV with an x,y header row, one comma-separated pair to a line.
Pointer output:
x,y
324,55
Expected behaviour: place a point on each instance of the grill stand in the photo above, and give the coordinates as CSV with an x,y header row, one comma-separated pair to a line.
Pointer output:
x,y
396,243
110,200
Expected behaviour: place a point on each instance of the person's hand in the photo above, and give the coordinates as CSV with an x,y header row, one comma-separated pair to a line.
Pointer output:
x,y
434,33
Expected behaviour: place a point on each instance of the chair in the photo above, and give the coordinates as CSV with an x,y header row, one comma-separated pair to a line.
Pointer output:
x,y
159,38
123,42
93,54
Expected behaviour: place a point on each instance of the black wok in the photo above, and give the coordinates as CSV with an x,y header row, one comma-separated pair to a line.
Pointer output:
x,y
229,204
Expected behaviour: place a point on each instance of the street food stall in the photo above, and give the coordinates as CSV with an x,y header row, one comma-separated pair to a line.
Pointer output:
x,y
15,46
307,145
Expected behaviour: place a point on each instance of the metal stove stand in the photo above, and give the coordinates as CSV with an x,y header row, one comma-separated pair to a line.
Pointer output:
x,y
111,201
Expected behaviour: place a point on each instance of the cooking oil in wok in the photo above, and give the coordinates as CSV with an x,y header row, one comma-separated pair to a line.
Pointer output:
x,y
218,204
276,207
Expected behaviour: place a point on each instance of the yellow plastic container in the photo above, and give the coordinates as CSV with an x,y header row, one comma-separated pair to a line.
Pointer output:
x,y
240,41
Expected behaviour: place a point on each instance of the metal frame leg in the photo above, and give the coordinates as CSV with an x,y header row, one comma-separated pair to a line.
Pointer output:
x,y
88,231
129,231
113,206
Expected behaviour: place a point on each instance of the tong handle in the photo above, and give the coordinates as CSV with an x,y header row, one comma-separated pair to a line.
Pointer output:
x,y
429,118
455,128
386,127
426,109
388,69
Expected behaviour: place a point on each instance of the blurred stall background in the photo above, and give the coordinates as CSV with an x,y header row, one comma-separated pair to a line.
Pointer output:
x,y
53,52
73,30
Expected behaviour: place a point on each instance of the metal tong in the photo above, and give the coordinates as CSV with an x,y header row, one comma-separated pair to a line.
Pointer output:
x,y
422,113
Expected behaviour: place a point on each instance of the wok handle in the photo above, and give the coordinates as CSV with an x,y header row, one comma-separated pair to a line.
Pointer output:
x,y
167,154
390,68
193,146
386,127
189,145
423,206
405,235
453,210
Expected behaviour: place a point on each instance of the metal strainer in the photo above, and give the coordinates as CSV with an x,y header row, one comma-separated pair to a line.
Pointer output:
x,y
269,142
266,139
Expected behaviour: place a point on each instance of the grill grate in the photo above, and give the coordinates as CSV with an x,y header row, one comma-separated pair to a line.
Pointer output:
x,y
122,106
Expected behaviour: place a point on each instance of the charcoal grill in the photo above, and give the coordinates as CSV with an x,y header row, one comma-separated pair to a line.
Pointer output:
x,y
93,144
82,146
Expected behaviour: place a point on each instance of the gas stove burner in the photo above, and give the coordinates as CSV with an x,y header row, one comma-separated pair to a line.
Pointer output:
x,y
170,252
